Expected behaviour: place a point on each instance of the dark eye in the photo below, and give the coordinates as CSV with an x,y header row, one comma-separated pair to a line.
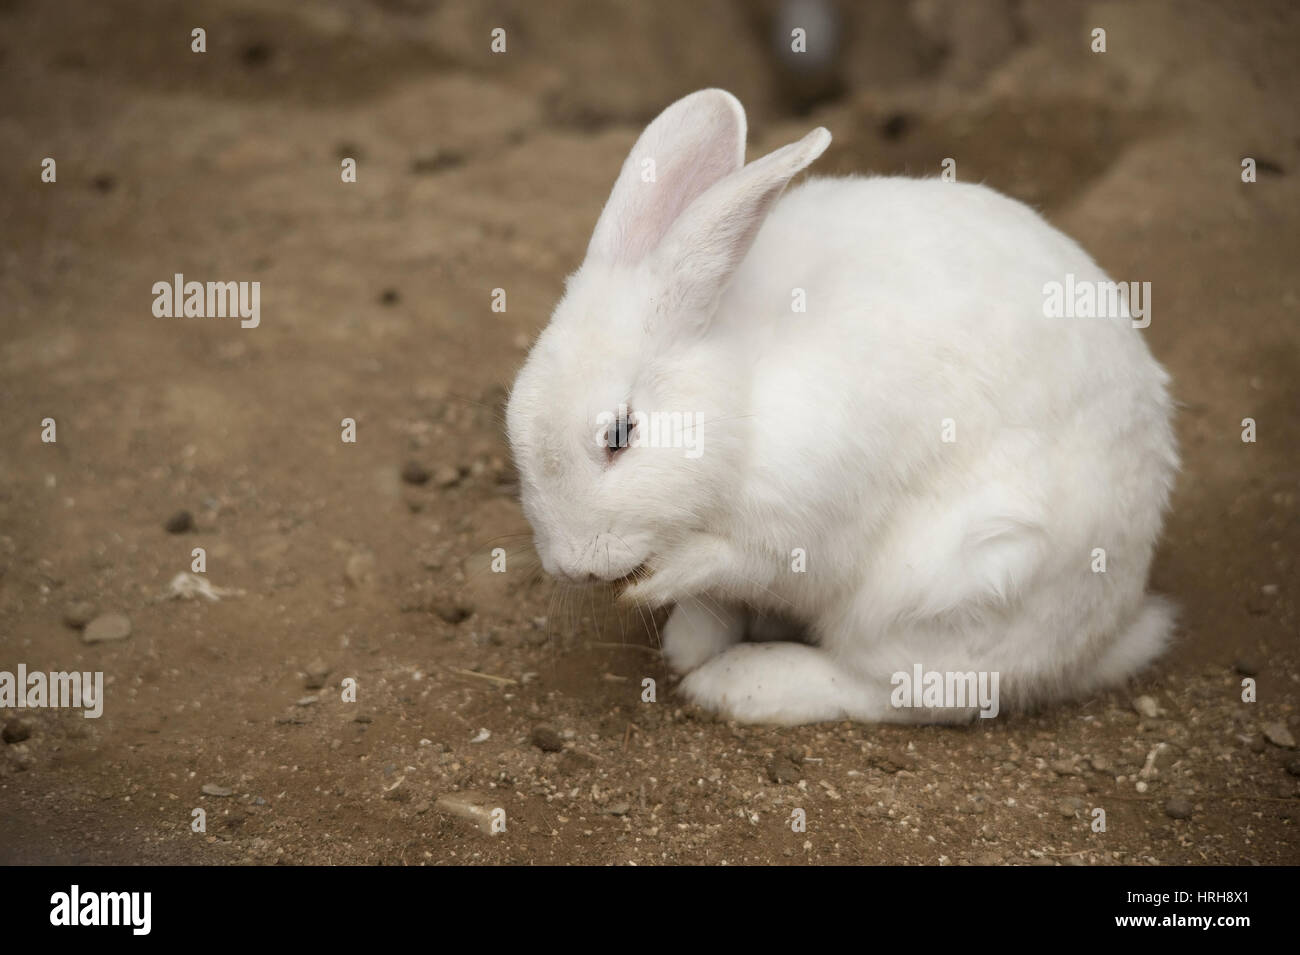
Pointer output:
x,y
619,435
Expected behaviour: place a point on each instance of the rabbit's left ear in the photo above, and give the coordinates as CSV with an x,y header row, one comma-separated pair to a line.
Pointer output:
x,y
708,241
686,149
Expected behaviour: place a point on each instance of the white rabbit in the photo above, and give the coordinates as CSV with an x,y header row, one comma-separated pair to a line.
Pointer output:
x,y
953,466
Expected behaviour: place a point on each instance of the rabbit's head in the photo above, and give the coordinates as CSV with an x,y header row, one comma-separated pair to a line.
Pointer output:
x,y
626,421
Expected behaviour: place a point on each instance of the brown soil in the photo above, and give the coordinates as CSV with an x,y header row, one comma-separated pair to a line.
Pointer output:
x,y
478,172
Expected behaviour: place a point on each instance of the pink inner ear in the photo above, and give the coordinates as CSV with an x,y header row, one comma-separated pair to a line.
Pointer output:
x,y
657,205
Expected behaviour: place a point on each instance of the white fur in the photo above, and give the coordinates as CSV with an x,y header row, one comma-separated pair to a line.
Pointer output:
x,y
823,432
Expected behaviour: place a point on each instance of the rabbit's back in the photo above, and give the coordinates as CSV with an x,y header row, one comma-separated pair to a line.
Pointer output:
x,y
923,299
922,268
923,411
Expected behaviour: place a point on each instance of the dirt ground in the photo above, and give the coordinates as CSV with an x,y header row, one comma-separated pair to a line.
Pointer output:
x,y
478,171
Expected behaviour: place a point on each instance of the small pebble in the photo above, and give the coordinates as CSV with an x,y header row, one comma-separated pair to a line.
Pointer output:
x,y
890,762
445,475
79,613
436,161
1178,808
1279,735
782,769
15,731
317,671
397,792
413,472
107,627
473,807
546,739
1147,706
179,523
256,54
360,569
212,789
574,761
451,611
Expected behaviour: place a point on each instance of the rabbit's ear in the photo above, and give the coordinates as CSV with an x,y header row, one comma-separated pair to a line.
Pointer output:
x,y
685,150
707,242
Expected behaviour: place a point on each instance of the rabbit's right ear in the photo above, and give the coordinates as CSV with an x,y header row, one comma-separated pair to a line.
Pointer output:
x,y
691,145
707,243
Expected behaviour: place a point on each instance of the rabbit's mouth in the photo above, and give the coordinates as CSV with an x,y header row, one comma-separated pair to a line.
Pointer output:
x,y
637,573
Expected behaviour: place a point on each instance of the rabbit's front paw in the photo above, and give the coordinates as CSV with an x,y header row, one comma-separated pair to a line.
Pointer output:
x,y
692,567
699,630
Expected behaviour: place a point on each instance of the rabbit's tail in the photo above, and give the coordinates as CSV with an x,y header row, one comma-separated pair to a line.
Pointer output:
x,y
1144,640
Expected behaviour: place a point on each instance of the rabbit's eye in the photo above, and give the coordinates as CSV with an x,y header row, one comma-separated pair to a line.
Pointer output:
x,y
619,435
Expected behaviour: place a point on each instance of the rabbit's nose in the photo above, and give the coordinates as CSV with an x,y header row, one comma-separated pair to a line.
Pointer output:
x,y
570,570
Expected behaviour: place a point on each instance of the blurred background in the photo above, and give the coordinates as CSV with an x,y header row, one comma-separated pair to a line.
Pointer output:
x,y
479,170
